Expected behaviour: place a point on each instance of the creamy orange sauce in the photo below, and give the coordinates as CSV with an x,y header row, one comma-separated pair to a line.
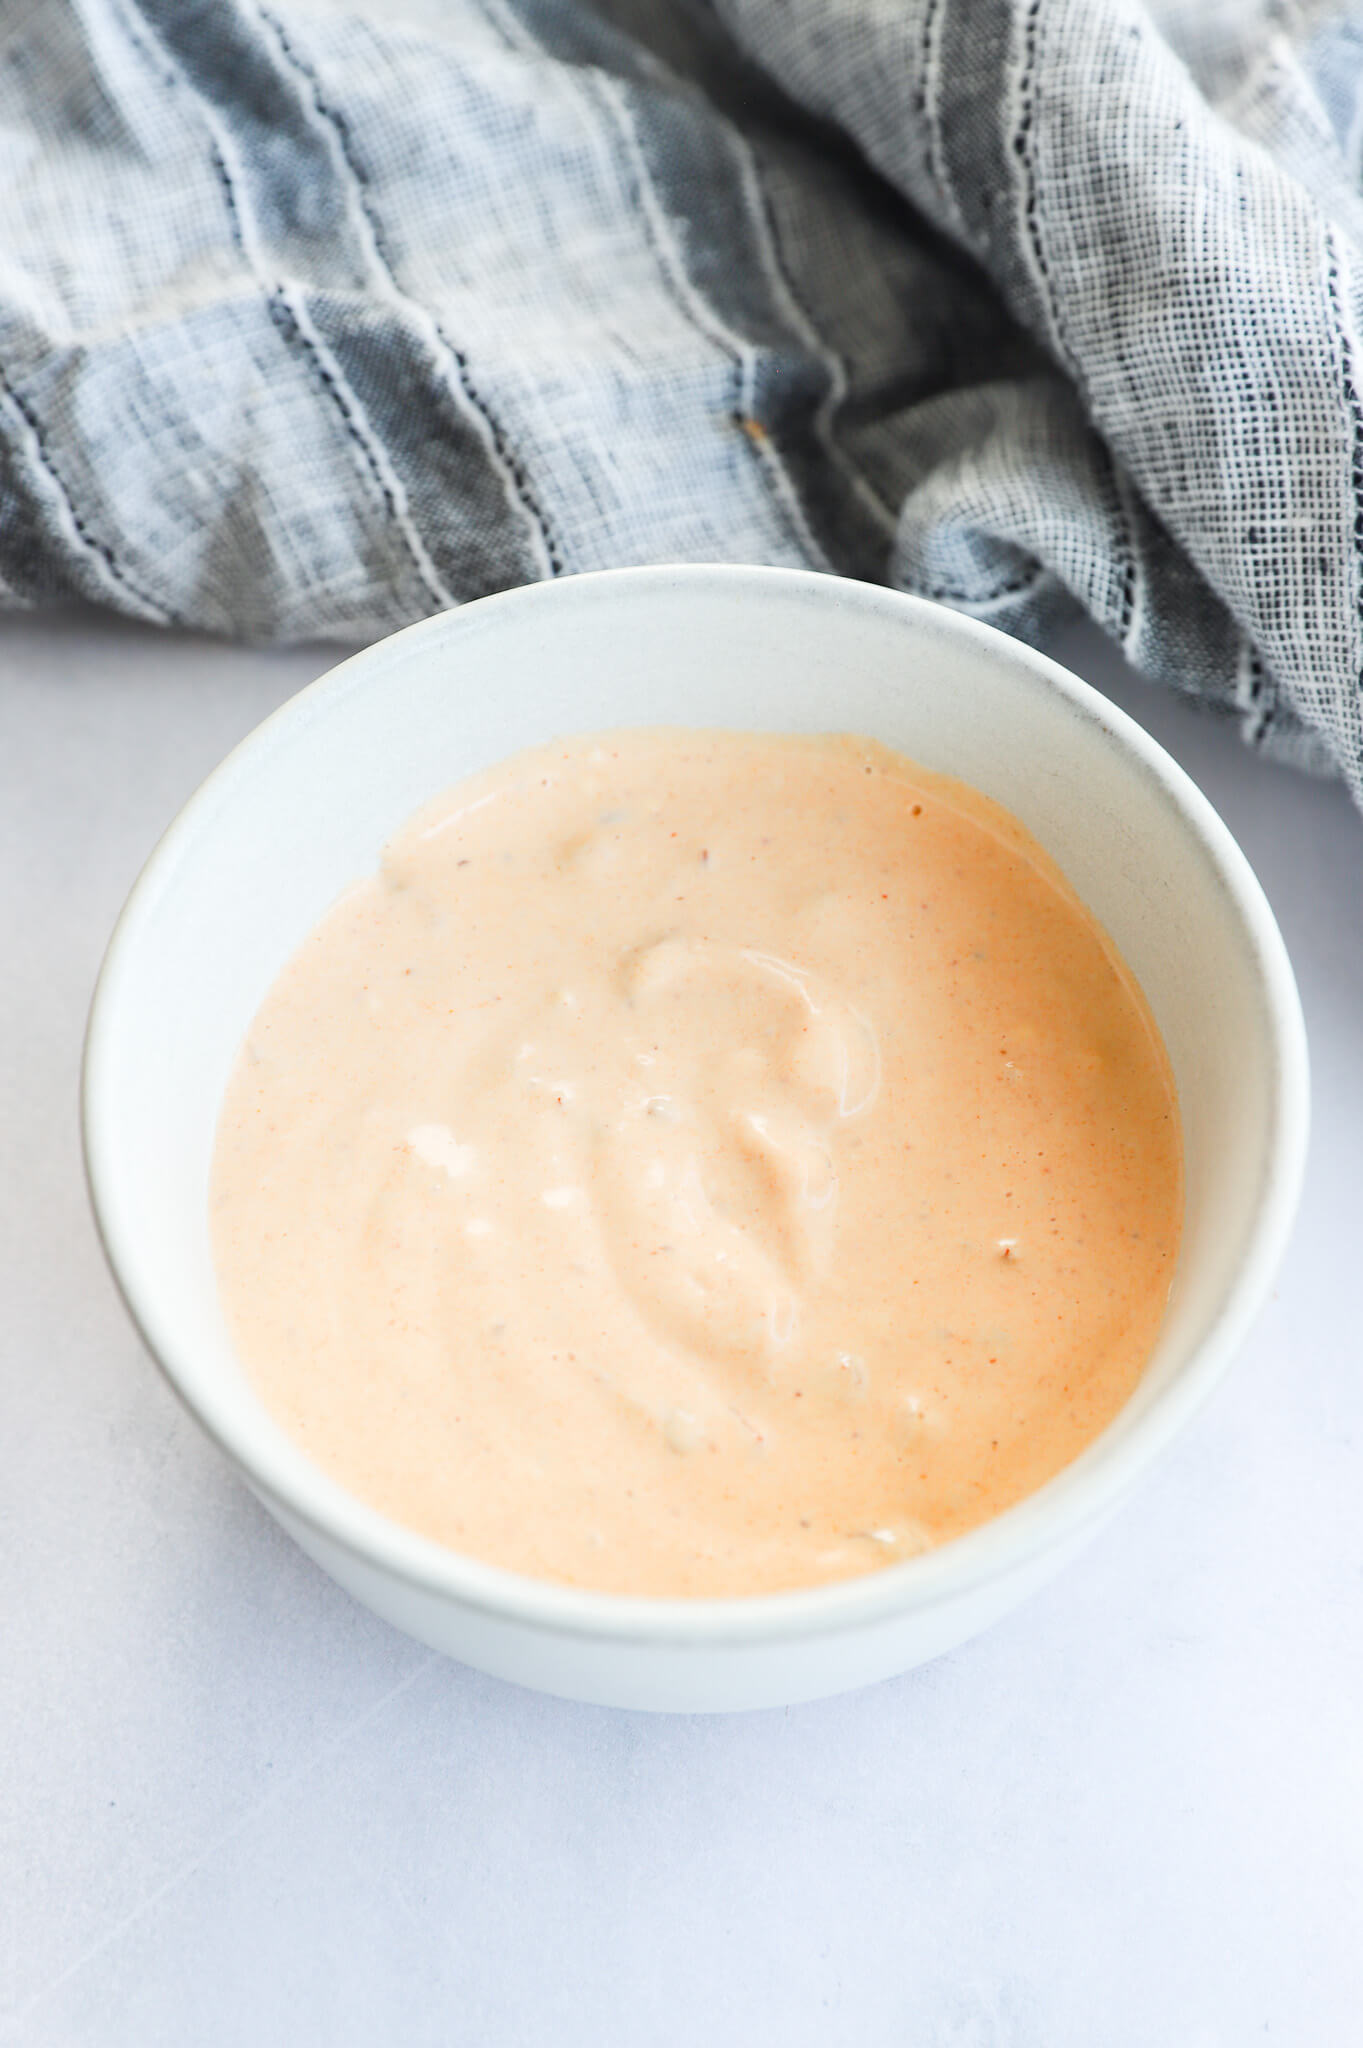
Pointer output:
x,y
700,1163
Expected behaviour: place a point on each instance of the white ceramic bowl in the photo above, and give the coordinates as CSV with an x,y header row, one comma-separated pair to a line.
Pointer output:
x,y
302,808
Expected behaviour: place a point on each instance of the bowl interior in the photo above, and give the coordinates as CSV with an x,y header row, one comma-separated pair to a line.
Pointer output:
x,y
302,808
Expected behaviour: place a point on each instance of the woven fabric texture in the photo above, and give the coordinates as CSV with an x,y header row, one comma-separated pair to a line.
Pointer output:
x,y
317,317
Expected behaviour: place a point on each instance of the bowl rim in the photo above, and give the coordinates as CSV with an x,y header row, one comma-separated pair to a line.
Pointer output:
x,y
1052,1518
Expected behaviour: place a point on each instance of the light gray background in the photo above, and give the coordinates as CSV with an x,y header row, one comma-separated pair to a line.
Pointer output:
x,y
236,1810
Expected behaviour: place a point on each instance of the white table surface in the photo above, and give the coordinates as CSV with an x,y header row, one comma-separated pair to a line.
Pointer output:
x,y
234,1809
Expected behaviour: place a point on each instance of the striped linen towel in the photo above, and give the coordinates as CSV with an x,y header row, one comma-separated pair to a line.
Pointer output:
x,y
320,315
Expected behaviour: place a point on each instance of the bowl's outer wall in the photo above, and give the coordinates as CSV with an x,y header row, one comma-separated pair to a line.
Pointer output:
x,y
301,810
675,1677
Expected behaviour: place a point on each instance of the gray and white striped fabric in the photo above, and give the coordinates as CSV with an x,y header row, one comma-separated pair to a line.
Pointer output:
x,y
316,317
